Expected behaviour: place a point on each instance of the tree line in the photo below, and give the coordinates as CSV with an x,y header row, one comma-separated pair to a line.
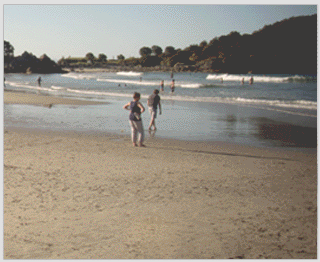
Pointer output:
x,y
28,63
285,47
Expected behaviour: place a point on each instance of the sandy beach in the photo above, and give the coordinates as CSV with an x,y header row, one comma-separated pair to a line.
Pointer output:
x,y
72,195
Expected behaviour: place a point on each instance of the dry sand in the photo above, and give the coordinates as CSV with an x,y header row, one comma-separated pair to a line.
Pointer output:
x,y
75,195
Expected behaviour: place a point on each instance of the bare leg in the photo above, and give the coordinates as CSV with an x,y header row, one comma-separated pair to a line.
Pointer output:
x,y
152,124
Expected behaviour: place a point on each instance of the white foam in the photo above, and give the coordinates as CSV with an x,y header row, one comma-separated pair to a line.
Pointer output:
x,y
79,76
58,87
195,85
256,78
99,94
29,86
297,104
130,73
149,83
302,104
134,82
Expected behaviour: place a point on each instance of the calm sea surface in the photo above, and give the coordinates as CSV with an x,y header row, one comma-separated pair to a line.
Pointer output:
x,y
275,111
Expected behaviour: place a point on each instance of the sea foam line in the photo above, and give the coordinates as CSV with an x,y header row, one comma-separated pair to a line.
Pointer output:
x,y
58,87
195,85
145,83
256,78
39,88
301,104
298,104
99,94
130,73
79,76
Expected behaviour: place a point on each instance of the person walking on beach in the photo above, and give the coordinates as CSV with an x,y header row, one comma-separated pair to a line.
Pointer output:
x,y
162,85
153,102
251,80
172,86
39,81
136,109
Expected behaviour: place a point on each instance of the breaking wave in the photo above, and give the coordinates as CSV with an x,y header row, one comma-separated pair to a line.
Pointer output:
x,y
259,78
130,73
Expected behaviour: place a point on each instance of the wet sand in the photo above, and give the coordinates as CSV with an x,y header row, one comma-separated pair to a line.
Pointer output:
x,y
13,97
71,195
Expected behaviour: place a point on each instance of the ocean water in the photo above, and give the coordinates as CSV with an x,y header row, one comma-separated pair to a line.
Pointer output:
x,y
274,111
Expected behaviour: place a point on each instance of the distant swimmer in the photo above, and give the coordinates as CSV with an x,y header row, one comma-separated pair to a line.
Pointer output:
x,y
221,80
172,86
39,81
162,85
171,74
242,81
251,80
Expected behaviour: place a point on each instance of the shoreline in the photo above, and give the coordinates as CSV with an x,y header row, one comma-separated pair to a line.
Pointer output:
x,y
121,68
20,97
197,146
57,119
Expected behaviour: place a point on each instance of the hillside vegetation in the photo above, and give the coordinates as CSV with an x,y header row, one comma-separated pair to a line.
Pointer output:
x,y
285,47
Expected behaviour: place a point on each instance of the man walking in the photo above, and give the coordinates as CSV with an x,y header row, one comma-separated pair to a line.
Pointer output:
x,y
39,81
153,102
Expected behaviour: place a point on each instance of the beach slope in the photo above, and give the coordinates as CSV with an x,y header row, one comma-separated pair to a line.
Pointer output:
x,y
73,195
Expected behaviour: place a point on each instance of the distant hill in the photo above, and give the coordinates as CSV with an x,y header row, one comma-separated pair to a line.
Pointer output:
x,y
28,63
285,47
288,46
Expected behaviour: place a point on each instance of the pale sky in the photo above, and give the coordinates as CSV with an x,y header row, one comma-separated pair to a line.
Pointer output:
x,y
74,30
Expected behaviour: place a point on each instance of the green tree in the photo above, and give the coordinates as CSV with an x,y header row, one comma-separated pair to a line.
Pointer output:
x,y
145,51
150,60
169,51
182,57
8,51
102,58
120,57
156,50
90,57
212,49
62,62
203,44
